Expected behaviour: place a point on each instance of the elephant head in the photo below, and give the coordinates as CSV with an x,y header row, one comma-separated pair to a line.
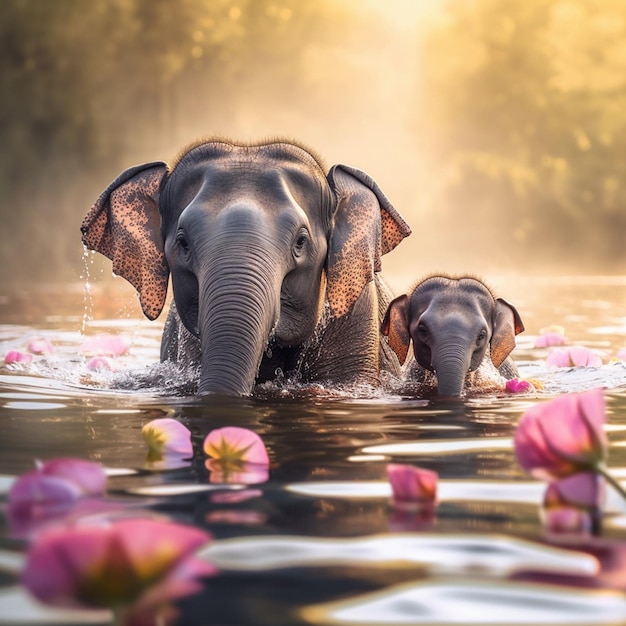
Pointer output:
x,y
454,324
257,239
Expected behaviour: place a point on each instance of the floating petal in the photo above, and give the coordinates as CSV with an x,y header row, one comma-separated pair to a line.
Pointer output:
x,y
88,476
167,435
412,485
576,356
17,356
233,444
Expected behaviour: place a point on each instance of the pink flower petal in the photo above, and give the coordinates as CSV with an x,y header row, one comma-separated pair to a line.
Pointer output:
x,y
585,490
516,385
582,356
410,484
36,488
621,355
181,581
235,444
102,363
108,565
563,436
16,356
40,346
167,435
88,476
106,345
152,546
575,356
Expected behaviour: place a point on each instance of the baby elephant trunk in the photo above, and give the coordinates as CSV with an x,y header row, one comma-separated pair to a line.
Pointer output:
x,y
451,364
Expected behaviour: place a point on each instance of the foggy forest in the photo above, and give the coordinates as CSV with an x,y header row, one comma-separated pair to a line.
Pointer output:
x,y
496,127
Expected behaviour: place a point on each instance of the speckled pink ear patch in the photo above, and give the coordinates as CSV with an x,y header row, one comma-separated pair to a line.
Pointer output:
x,y
366,226
125,225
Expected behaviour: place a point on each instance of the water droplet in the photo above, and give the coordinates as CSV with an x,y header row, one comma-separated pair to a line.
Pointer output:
x,y
87,298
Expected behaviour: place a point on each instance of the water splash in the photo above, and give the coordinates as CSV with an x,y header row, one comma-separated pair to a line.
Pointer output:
x,y
88,256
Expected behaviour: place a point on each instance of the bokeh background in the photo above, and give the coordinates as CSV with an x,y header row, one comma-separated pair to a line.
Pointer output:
x,y
496,127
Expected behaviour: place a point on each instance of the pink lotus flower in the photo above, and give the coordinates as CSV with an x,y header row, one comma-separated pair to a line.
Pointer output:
x,y
167,436
576,356
40,346
106,345
16,356
102,363
238,456
563,436
113,565
412,486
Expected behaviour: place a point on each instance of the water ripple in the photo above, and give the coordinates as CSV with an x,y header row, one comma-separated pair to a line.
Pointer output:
x,y
491,555
474,603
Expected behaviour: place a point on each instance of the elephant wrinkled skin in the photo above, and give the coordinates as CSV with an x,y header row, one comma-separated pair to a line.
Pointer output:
x,y
274,264
456,326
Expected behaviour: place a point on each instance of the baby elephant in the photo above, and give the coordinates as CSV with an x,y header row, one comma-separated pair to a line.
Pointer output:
x,y
456,324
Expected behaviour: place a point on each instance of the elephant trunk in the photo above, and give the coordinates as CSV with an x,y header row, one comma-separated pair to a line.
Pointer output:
x,y
451,363
238,310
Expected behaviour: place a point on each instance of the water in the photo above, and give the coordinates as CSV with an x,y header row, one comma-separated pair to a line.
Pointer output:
x,y
319,542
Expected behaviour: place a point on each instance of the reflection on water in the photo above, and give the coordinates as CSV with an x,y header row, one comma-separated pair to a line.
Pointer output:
x,y
474,603
319,541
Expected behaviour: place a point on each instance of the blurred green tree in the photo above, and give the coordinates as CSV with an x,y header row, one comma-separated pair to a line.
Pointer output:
x,y
91,87
525,114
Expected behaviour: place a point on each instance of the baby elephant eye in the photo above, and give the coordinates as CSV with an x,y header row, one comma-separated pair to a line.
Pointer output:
x,y
482,335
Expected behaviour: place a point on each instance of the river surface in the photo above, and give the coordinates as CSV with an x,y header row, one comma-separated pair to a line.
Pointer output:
x,y
319,541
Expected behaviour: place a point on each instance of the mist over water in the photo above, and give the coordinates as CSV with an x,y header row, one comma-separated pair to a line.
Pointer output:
x,y
495,127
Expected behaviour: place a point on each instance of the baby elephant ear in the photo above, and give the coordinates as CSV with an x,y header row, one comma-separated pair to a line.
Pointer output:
x,y
365,226
396,326
125,225
507,324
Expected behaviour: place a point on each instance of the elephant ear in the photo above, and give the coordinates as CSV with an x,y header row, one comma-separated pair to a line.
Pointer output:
x,y
365,226
507,324
125,225
396,326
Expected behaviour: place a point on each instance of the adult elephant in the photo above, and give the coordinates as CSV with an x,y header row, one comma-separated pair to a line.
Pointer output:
x,y
273,262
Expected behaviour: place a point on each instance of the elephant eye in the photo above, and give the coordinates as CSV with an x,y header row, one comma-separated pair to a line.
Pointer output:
x,y
300,242
422,331
182,242
482,335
